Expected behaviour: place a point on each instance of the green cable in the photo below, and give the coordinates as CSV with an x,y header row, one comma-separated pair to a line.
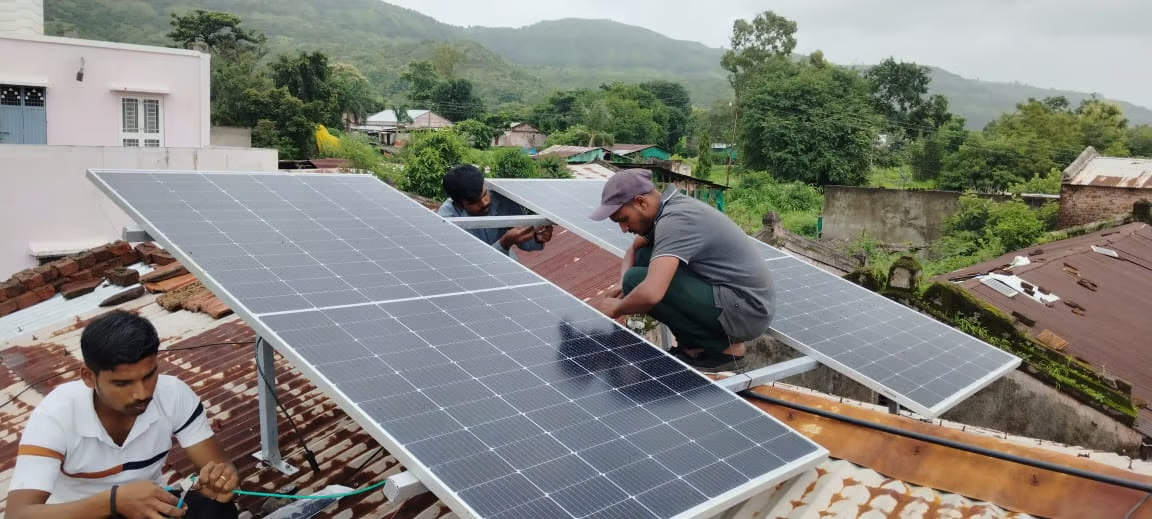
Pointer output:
x,y
329,496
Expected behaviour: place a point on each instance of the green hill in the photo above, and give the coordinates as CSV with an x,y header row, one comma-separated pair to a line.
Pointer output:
x,y
507,64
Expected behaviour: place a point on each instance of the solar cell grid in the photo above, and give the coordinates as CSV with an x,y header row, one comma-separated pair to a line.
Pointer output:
x,y
510,399
925,365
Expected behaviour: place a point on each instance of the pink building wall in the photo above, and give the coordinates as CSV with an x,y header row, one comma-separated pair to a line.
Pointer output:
x,y
87,113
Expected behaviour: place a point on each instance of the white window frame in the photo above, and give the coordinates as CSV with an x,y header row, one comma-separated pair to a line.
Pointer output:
x,y
141,134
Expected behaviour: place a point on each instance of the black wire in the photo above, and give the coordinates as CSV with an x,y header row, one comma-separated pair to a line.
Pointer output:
x,y
308,454
348,478
33,384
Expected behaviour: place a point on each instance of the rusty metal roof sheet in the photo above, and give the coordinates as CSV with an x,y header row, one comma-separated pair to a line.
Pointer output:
x,y
1115,294
591,171
568,151
1114,172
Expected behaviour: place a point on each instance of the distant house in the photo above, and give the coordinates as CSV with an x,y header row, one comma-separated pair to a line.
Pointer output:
x,y
1094,187
641,152
389,128
697,188
522,135
578,154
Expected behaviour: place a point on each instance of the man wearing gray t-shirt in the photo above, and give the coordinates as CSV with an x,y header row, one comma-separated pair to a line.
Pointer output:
x,y
691,268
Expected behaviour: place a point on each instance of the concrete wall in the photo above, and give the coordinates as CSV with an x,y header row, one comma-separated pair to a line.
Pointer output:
x,y
1081,205
231,137
891,216
1017,404
47,203
895,216
88,112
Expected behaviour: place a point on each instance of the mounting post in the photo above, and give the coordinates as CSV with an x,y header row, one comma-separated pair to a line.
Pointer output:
x,y
777,371
269,429
135,233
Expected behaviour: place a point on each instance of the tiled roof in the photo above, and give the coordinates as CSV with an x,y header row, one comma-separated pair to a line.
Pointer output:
x,y
1115,294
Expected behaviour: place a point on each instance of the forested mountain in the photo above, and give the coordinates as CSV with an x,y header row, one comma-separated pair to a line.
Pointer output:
x,y
508,65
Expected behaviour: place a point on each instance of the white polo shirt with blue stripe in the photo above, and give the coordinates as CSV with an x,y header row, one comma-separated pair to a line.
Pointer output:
x,y
66,452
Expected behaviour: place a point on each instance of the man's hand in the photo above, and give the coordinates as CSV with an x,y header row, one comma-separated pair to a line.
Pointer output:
x,y
146,500
217,481
516,236
610,306
543,234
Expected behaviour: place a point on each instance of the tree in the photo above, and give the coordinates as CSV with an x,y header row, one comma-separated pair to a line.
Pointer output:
x,y
989,164
355,97
1103,127
477,134
444,60
815,127
898,91
767,37
220,31
294,131
676,98
419,78
703,155
427,158
552,166
1011,225
512,163
307,77
579,135
1140,140
927,157
455,100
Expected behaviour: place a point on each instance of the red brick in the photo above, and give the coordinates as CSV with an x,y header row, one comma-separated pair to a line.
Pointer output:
x,y
123,297
145,251
123,276
30,299
48,272
83,275
45,292
120,247
167,271
66,267
79,288
12,288
100,269
86,260
103,253
129,258
29,278
9,306
163,258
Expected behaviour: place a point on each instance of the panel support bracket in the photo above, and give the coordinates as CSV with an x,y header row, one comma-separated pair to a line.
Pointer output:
x,y
401,486
269,430
498,222
756,377
135,233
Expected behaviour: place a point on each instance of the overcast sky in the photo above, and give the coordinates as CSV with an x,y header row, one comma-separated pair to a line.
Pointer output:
x,y
1047,43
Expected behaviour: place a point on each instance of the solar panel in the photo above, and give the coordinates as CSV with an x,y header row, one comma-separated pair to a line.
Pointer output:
x,y
913,359
507,397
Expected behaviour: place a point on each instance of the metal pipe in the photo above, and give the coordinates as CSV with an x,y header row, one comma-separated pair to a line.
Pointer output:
x,y
497,222
1102,478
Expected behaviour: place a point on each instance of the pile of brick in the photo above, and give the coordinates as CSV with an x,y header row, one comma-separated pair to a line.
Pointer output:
x,y
83,273
181,291
72,276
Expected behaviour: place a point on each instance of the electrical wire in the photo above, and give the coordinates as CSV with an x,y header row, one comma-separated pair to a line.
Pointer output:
x,y
369,488
348,478
33,384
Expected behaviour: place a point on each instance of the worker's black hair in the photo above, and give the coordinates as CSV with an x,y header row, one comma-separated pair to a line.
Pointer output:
x,y
464,183
118,338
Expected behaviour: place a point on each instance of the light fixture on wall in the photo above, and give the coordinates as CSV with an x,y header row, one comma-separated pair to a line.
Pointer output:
x,y
80,73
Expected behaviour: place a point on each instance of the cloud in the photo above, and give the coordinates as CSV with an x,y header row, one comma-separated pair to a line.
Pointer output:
x,y
1064,44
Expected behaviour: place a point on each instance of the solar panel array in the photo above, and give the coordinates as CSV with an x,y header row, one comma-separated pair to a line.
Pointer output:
x,y
507,396
913,359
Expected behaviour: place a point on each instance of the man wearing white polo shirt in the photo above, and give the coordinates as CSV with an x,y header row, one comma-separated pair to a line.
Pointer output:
x,y
95,447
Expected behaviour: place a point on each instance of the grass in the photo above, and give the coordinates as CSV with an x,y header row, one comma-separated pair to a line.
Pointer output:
x,y
898,177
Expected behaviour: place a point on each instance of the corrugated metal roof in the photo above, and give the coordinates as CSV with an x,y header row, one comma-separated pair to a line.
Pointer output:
x,y
1114,172
568,151
625,149
591,171
1115,293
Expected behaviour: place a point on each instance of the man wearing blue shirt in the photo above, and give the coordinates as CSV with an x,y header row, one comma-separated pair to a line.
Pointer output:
x,y
469,196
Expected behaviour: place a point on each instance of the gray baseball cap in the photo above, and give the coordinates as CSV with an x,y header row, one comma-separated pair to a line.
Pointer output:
x,y
625,185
